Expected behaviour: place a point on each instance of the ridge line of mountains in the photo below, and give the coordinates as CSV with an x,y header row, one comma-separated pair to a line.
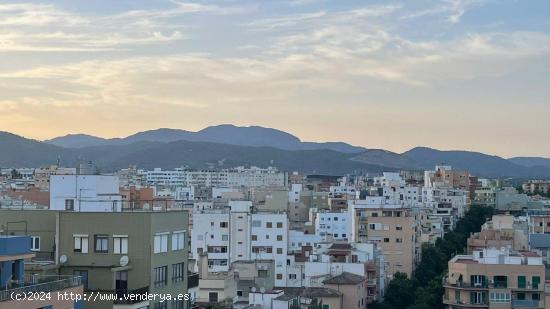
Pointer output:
x,y
228,146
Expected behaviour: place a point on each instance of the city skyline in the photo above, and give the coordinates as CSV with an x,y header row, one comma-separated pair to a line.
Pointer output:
x,y
451,75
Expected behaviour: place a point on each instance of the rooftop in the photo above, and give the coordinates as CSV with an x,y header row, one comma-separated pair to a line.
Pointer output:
x,y
345,278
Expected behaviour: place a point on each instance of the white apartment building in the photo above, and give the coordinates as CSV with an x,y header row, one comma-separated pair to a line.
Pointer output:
x,y
269,241
235,177
405,195
236,234
298,239
389,179
334,225
210,235
85,193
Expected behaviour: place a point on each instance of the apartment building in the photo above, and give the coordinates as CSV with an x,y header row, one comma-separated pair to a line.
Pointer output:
x,y
234,177
126,253
445,176
210,236
333,225
392,228
42,175
536,186
332,259
85,193
14,251
121,252
493,278
352,286
502,231
269,241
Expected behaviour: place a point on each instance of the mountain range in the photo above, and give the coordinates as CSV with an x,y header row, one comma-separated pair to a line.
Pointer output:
x,y
229,146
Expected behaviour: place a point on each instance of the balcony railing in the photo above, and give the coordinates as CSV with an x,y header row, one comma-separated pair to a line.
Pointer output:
x,y
524,303
40,284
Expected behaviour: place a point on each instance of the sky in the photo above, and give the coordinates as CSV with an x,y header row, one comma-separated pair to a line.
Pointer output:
x,y
454,74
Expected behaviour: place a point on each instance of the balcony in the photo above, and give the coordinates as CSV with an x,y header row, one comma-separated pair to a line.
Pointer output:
x,y
524,303
466,285
459,303
33,284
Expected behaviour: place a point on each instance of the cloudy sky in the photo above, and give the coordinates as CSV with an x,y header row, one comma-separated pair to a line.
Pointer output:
x,y
455,74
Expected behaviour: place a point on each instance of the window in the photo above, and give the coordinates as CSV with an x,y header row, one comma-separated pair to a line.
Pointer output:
x,y
178,240
279,225
160,276
279,237
101,243
35,243
521,282
161,243
477,298
269,225
177,272
120,244
499,297
69,204
536,282
80,243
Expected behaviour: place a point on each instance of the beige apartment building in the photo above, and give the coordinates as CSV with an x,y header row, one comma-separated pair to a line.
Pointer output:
x,y
536,186
352,286
492,278
394,230
500,232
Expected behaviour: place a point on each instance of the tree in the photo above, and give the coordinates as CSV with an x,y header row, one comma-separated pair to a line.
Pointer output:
x,y
400,291
15,174
425,290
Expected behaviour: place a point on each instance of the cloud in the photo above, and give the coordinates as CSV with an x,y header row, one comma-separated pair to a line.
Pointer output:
x,y
47,28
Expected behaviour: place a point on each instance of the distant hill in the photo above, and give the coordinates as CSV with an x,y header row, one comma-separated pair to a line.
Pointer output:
x,y
77,141
21,152
531,161
477,163
254,136
229,146
385,158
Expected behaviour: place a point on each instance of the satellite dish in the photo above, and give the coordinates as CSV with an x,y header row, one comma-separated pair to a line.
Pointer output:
x,y
124,261
63,259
